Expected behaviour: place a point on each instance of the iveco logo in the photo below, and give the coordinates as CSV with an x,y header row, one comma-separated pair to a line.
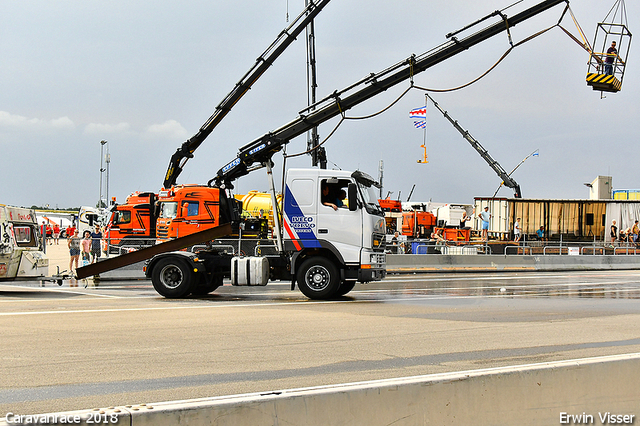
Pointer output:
x,y
231,165
256,149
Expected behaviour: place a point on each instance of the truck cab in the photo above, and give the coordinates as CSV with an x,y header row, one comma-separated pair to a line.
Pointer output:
x,y
133,223
186,209
329,241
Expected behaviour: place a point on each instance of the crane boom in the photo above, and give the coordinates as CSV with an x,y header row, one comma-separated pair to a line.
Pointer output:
x,y
284,39
506,178
262,149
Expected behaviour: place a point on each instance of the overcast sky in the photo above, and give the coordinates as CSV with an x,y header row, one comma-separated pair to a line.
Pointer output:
x,y
145,75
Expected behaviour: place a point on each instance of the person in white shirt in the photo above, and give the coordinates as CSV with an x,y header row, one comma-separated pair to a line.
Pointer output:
x,y
516,231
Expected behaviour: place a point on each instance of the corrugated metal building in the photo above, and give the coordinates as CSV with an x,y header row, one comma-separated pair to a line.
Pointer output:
x,y
573,219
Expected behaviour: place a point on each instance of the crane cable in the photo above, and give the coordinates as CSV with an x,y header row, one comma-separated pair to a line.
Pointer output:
x,y
412,85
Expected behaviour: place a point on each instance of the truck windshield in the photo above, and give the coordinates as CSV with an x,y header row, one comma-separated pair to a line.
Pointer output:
x,y
169,210
121,217
369,198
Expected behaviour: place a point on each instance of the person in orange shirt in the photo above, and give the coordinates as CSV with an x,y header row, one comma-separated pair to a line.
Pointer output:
x,y
56,233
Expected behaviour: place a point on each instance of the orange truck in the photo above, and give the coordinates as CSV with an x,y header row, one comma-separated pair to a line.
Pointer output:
x,y
178,212
133,223
187,209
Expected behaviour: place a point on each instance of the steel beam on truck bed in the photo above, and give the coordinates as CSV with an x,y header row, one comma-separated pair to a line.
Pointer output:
x,y
149,252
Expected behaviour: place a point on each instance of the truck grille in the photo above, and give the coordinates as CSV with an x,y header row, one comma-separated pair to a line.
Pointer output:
x,y
378,259
162,232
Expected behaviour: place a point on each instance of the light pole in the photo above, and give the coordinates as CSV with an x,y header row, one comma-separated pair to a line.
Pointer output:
x,y
102,144
108,161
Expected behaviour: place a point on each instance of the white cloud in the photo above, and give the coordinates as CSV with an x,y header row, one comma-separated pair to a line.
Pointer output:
x,y
110,129
8,120
169,129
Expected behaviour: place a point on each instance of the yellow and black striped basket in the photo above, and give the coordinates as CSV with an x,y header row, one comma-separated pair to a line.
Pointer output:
x,y
603,82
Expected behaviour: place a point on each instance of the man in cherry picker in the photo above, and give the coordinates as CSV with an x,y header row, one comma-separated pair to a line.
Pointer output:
x,y
612,54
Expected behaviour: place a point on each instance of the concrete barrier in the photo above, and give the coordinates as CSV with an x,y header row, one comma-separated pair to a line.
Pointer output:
x,y
410,263
535,394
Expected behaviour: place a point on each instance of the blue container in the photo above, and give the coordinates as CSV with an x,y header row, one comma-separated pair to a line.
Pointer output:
x,y
422,247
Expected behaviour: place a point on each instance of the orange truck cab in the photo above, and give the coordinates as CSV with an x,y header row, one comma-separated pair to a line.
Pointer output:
x,y
186,209
134,222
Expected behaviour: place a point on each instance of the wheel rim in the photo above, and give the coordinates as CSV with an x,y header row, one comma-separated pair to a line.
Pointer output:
x,y
317,278
171,276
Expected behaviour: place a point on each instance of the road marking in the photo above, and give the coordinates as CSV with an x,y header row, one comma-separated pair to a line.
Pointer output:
x,y
171,308
62,290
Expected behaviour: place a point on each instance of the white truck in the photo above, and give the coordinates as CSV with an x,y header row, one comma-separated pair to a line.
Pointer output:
x,y
325,250
21,254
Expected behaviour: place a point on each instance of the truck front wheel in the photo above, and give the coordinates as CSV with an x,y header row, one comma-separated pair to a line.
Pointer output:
x,y
318,278
172,278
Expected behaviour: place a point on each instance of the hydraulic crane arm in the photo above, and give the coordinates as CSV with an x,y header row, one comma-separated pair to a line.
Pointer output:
x,y
506,179
284,39
262,149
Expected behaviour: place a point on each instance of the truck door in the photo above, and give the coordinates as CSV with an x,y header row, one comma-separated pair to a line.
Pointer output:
x,y
336,224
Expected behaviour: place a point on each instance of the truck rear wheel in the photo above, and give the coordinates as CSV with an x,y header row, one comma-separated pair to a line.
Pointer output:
x,y
172,278
318,278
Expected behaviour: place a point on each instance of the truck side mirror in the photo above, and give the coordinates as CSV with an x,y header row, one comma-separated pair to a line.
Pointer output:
x,y
352,196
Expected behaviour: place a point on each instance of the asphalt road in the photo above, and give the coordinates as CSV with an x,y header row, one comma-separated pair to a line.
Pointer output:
x,y
68,348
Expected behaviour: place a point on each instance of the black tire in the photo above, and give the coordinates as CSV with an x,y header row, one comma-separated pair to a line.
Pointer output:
x,y
172,278
318,278
345,288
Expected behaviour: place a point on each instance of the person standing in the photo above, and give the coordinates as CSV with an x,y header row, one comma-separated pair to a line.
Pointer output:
x,y
86,248
516,231
73,242
56,233
612,55
71,229
614,232
635,231
463,220
485,216
96,238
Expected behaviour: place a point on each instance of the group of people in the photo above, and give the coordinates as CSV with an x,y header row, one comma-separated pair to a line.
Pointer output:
x,y
629,235
54,231
89,246
517,232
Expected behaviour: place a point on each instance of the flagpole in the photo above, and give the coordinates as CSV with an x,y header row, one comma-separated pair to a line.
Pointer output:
x,y
424,141
421,114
